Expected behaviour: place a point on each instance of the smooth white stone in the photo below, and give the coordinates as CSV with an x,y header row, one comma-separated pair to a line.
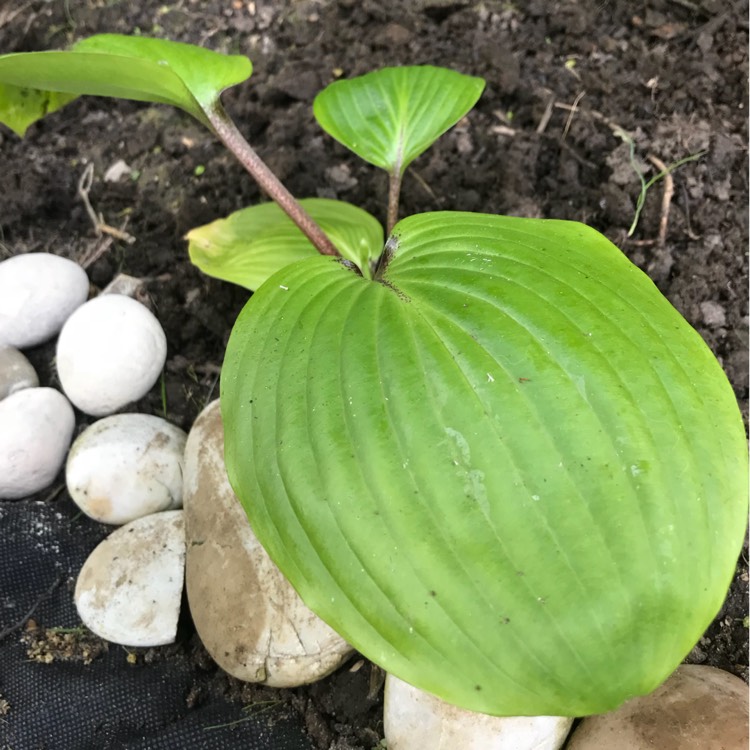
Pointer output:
x,y
16,372
38,293
126,466
130,587
36,425
697,708
248,616
117,171
414,720
110,353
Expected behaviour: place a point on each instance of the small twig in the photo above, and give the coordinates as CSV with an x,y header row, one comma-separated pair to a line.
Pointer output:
x,y
571,114
84,186
101,246
118,234
611,124
12,628
100,226
53,493
666,199
423,183
6,16
503,130
686,208
164,403
714,24
251,711
689,5
210,393
542,126
569,149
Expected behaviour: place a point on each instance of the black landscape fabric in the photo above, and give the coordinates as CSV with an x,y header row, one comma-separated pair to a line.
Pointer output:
x,y
57,701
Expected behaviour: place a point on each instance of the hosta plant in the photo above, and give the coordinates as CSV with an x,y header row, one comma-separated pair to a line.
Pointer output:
x,y
486,450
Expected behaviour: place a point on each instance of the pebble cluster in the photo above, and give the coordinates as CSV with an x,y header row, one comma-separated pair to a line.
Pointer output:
x,y
127,470
135,471
110,352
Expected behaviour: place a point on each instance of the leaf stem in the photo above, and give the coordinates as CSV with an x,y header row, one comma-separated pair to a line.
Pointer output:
x,y
231,137
394,192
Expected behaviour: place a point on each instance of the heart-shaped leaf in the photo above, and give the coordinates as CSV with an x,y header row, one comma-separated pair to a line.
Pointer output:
x,y
140,68
390,116
506,469
252,244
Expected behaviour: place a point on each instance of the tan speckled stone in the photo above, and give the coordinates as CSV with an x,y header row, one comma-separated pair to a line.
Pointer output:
x,y
697,708
250,619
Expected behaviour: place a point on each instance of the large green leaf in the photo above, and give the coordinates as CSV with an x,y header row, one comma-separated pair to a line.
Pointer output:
x,y
390,116
507,471
140,68
252,244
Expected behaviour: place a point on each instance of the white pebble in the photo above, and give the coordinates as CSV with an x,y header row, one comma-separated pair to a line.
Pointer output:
x,y
36,425
16,372
247,614
110,352
38,292
414,720
117,171
126,466
130,588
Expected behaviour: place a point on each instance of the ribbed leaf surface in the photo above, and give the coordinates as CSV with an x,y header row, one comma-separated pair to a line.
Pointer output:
x,y
507,471
390,116
140,68
250,245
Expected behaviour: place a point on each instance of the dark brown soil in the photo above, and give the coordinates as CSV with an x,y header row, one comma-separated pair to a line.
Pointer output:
x,y
562,76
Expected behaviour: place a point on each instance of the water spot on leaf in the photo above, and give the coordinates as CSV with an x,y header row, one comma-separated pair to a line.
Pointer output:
x,y
473,479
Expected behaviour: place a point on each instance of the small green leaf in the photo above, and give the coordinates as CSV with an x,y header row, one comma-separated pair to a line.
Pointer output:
x,y
21,107
390,116
505,469
252,244
140,68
